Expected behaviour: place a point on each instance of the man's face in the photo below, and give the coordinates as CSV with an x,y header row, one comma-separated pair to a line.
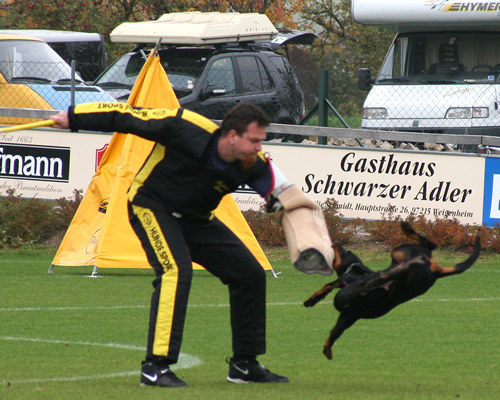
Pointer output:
x,y
249,144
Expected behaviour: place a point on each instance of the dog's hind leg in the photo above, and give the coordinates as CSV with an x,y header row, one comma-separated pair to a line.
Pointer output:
x,y
323,292
343,322
422,240
390,274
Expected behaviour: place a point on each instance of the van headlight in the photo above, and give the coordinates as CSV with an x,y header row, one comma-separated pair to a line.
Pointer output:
x,y
480,112
467,112
375,113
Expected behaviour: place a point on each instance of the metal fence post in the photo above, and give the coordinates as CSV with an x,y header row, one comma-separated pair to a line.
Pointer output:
x,y
73,83
322,106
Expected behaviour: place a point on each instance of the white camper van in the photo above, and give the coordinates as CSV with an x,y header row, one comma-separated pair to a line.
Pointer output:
x,y
442,71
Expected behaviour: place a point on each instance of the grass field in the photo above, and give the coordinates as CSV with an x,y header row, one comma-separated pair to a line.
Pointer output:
x,y
66,335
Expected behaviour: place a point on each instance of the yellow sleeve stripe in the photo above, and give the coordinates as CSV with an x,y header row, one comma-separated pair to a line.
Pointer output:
x,y
144,113
199,120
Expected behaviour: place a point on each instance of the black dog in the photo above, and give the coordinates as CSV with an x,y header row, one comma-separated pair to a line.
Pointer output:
x,y
368,294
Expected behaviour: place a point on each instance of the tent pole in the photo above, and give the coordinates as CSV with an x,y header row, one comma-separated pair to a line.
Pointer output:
x,y
274,273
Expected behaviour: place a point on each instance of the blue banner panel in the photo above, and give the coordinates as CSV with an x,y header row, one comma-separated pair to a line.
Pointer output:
x,y
491,210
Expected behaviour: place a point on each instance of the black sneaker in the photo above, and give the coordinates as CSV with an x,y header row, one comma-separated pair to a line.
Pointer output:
x,y
246,371
154,375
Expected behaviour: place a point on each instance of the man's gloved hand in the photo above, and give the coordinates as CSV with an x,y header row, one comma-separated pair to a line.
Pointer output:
x,y
273,204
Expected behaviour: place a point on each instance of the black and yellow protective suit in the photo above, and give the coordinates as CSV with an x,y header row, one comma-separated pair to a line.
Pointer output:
x,y
171,203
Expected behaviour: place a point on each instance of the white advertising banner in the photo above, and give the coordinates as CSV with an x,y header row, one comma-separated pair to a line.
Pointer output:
x,y
366,183
49,164
369,183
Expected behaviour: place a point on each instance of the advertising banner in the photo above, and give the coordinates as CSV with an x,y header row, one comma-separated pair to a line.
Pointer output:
x,y
492,192
366,183
371,183
48,164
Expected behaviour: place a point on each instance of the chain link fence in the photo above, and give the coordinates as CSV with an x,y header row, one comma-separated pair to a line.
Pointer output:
x,y
42,86
438,107
442,82
207,80
211,81
34,76
286,94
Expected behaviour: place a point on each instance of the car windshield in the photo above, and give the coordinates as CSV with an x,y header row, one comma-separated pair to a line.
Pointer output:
x,y
183,67
24,61
442,58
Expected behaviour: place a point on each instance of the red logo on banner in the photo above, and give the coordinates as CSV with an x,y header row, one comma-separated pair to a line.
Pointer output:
x,y
98,155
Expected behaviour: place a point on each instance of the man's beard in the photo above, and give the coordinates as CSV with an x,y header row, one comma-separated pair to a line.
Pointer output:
x,y
248,161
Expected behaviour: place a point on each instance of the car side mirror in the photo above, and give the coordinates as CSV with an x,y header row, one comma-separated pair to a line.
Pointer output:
x,y
364,79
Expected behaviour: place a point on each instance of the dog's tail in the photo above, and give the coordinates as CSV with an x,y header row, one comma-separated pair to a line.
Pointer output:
x,y
461,267
464,265
422,240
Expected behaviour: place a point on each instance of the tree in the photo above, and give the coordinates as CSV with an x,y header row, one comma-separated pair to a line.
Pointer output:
x,y
342,47
102,16
56,14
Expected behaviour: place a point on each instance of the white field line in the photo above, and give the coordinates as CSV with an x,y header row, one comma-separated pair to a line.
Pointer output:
x,y
185,361
73,308
80,343
71,378
284,303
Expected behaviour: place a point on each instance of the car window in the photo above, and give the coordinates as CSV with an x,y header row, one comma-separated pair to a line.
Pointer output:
x,y
286,72
90,56
220,77
267,83
183,69
121,72
31,59
254,76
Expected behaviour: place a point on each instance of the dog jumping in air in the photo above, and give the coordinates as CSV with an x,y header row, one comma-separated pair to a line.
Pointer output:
x,y
370,294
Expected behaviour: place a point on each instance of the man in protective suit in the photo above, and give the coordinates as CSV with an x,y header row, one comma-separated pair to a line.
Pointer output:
x,y
193,164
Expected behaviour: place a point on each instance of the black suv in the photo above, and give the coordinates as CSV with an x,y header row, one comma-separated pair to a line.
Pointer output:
x,y
212,79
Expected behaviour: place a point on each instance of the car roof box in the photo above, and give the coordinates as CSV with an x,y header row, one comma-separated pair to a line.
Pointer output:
x,y
285,37
197,28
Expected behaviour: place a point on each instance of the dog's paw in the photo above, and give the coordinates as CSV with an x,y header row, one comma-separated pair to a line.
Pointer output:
x,y
327,351
310,302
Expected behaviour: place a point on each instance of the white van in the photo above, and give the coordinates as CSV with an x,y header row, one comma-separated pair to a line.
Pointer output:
x,y
442,72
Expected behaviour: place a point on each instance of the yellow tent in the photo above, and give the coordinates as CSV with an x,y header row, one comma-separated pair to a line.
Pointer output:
x,y
100,233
